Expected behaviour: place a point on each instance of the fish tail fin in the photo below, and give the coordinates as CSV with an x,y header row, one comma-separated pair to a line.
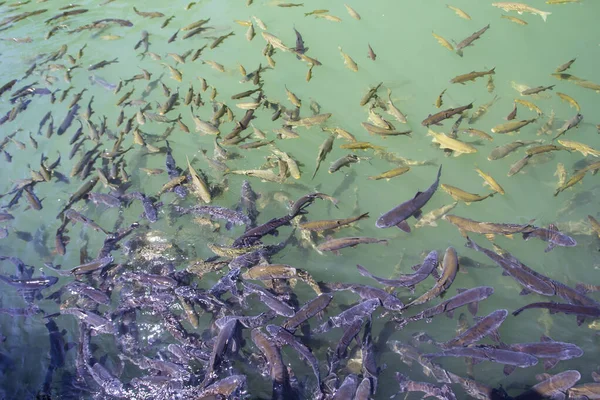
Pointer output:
x,y
545,14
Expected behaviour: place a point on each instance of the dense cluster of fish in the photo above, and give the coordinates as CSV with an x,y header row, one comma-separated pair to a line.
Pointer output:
x,y
156,323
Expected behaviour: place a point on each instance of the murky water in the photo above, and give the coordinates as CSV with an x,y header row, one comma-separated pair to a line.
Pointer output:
x,y
410,63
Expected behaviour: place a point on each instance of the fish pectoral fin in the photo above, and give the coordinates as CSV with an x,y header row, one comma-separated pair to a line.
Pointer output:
x,y
509,369
404,226
524,292
545,338
418,214
550,363
550,247
473,308
450,314
580,320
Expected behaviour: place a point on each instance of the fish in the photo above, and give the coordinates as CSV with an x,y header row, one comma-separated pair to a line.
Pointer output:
x,y
491,182
443,392
352,12
307,311
422,271
521,8
502,151
371,53
469,40
488,353
449,270
585,390
512,126
536,90
284,337
446,142
569,124
565,66
552,352
459,12
431,217
348,61
552,387
346,318
274,41
278,370
551,235
393,110
514,19
579,310
483,327
310,121
443,41
486,228
334,245
343,162
398,215
572,102
513,114
148,14
530,281
470,297
390,174
435,119
482,110
584,149
324,149
471,76
438,101
77,217
323,225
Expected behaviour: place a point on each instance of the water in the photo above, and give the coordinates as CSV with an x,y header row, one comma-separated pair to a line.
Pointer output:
x,y
409,61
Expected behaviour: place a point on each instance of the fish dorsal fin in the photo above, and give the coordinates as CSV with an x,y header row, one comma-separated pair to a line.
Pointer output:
x,y
553,228
546,338
542,377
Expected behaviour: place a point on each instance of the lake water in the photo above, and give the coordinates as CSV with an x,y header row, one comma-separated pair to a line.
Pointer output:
x,y
410,63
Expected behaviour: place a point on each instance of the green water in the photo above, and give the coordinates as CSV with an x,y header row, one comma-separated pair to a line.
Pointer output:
x,y
409,61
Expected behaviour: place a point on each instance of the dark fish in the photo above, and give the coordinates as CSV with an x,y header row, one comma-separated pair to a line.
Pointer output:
x,y
529,281
102,64
347,389
442,393
536,90
222,343
552,352
389,301
553,387
31,283
68,120
347,317
269,299
278,370
310,309
436,118
300,49
399,214
552,236
75,216
92,266
449,270
584,311
470,298
489,353
469,40
217,212
283,337
485,326
424,270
